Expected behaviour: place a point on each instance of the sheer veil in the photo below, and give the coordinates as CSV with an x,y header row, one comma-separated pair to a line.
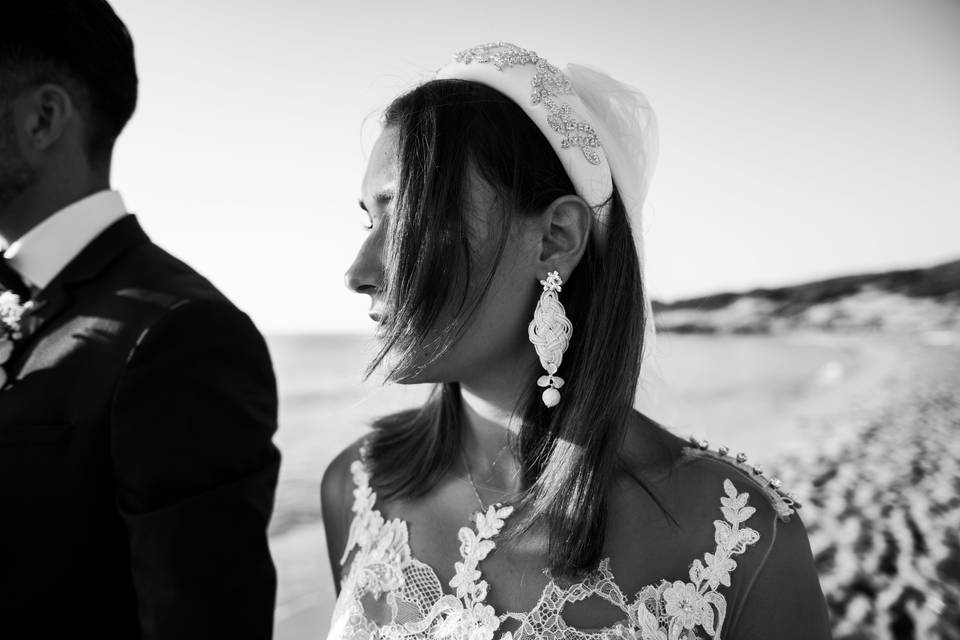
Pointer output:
x,y
627,128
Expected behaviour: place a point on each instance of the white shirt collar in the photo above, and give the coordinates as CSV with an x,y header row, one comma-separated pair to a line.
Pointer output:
x,y
43,252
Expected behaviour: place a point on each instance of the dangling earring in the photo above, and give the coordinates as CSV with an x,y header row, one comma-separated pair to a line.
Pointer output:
x,y
550,332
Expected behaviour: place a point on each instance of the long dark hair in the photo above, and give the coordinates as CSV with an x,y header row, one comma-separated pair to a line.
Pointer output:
x,y
449,131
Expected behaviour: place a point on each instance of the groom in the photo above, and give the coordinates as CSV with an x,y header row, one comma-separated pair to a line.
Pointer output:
x,y
137,472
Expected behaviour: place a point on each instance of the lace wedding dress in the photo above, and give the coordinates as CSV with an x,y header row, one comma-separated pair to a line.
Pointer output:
x,y
417,607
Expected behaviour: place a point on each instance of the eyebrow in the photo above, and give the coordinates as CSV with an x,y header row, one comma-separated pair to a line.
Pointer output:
x,y
382,198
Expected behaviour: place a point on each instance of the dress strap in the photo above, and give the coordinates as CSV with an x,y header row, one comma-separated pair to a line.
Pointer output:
x,y
364,499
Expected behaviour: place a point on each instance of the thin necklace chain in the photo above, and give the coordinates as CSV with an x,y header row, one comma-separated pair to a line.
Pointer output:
x,y
496,459
473,484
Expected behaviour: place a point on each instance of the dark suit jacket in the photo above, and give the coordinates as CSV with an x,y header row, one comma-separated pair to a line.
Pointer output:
x,y
137,471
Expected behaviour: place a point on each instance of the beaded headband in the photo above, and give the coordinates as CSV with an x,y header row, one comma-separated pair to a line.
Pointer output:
x,y
548,98
603,131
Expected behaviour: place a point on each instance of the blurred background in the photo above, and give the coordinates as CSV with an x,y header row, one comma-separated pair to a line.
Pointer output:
x,y
803,232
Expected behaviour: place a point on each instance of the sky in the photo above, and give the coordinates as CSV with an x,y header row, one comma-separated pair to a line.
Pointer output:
x,y
798,140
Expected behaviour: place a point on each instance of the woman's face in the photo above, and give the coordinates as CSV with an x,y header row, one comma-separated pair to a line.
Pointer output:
x,y
494,341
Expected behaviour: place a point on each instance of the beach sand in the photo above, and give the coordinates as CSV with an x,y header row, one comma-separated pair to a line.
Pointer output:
x,y
883,506
846,425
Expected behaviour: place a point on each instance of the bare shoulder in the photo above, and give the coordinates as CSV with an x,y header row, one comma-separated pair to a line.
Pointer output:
x,y
758,509
688,477
719,518
699,462
336,500
337,485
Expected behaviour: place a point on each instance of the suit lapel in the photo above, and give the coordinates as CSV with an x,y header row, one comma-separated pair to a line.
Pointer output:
x,y
57,297
48,304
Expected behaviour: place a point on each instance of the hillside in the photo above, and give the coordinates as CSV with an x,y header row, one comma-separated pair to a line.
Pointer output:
x,y
906,300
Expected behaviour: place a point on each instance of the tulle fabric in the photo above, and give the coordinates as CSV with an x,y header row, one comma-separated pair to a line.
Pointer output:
x,y
627,128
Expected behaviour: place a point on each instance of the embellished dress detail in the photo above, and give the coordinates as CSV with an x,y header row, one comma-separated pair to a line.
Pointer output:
x,y
387,593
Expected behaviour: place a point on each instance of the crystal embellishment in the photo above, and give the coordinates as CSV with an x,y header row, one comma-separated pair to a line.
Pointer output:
x,y
785,504
547,87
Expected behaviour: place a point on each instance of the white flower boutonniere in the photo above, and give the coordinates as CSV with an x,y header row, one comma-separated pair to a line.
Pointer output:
x,y
11,315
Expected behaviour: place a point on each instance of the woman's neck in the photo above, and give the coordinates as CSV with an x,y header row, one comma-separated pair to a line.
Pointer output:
x,y
491,422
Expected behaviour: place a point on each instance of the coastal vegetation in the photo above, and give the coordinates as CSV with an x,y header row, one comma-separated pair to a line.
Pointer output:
x,y
910,300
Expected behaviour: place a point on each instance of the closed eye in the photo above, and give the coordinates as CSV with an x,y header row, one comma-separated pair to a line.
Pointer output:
x,y
369,223
382,201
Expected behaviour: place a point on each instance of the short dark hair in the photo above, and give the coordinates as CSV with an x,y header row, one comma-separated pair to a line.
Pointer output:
x,y
84,46
448,132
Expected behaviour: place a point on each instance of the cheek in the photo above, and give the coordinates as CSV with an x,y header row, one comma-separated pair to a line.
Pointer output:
x,y
9,144
500,324
498,331
496,334
507,309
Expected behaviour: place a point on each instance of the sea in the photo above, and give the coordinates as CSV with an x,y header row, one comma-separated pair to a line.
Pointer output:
x,y
730,388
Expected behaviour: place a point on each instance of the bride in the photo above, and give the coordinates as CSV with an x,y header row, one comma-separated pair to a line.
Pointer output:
x,y
527,499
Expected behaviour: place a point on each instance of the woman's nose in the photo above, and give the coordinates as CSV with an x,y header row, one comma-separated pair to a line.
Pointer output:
x,y
365,275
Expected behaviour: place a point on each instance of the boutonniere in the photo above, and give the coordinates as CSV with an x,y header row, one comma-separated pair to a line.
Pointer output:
x,y
11,316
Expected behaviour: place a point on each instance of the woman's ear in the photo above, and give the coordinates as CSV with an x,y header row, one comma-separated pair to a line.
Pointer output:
x,y
565,234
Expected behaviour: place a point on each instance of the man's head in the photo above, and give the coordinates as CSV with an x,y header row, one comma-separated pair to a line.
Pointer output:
x,y
68,86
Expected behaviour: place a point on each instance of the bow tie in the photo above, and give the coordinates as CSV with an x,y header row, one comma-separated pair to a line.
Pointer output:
x,y
11,280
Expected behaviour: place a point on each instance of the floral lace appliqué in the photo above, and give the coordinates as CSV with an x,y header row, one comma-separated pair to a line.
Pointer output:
x,y
673,611
418,609
384,545
466,615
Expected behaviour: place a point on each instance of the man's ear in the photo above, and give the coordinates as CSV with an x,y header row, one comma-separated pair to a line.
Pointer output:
x,y
48,110
565,233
